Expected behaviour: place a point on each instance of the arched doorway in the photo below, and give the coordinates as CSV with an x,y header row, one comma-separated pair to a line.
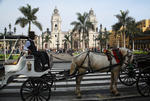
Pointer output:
x,y
76,45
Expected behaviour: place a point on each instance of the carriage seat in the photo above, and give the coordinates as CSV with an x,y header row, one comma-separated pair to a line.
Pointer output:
x,y
16,67
13,62
42,63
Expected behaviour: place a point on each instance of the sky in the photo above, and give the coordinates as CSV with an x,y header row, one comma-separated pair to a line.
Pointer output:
x,y
105,11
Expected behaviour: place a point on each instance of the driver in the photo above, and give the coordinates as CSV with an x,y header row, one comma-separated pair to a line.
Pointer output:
x,y
29,45
32,50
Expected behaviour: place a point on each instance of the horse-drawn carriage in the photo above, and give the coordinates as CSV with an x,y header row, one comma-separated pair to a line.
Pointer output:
x,y
38,85
137,72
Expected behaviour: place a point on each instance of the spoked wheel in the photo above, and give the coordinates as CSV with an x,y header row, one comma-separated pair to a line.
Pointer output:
x,y
49,78
1,87
143,83
128,75
35,89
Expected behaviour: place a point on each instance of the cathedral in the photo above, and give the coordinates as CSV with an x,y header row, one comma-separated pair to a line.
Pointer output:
x,y
55,39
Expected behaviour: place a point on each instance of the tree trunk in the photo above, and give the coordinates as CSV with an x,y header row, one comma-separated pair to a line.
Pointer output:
x,y
133,45
124,37
29,28
83,38
79,40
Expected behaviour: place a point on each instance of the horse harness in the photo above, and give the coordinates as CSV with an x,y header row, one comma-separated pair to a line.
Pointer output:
x,y
116,54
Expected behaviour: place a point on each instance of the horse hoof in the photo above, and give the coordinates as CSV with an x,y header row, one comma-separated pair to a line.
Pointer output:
x,y
118,94
79,97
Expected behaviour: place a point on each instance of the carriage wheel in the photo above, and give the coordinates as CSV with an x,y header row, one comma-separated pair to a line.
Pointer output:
x,y
35,89
1,87
128,75
143,83
49,78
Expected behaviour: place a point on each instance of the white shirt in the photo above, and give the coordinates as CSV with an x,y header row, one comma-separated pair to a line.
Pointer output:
x,y
27,44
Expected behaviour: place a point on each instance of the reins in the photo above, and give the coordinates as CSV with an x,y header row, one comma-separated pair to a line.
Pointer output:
x,y
89,62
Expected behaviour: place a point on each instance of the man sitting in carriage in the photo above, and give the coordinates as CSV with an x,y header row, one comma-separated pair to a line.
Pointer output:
x,y
41,57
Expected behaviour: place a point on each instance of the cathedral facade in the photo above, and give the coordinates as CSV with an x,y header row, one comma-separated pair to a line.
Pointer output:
x,y
55,39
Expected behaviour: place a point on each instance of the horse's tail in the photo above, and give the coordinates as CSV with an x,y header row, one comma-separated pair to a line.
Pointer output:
x,y
73,68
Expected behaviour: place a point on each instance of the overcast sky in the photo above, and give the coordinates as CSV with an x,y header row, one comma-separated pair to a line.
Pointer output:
x,y
104,10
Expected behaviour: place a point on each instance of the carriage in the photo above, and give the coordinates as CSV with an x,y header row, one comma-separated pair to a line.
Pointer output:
x,y
137,72
39,82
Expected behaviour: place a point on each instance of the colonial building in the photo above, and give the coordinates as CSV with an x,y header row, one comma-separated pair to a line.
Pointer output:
x,y
140,41
144,25
56,36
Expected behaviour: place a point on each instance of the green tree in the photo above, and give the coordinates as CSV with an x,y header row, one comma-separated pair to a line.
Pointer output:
x,y
82,25
123,20
47,39
68,39
100,38
106,37
132,31
29,17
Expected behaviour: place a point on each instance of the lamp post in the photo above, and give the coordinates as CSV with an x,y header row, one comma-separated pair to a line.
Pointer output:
x,y
49,37
95,43
42,40
57,42
5,30
10,33
14,30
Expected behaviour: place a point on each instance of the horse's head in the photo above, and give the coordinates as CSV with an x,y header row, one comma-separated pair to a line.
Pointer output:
x,y
127,55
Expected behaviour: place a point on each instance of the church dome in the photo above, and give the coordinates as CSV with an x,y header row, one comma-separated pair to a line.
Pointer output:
x,y
55,11
91,12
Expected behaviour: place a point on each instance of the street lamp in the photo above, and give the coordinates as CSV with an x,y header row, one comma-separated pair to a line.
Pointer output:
x,y
5,30
9,27
14,30
57,42
42,40
95,43
94,39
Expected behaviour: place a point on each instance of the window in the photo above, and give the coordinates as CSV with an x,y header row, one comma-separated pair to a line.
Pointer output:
x,y
55,25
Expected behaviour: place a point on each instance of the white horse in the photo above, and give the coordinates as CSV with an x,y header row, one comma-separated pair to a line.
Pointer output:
x,y
89,61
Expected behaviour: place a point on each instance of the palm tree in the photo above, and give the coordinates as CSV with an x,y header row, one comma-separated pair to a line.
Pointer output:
x,y
123,20
132,31
29,17
47,39
68,40
100,38
116,28
106,37
83,26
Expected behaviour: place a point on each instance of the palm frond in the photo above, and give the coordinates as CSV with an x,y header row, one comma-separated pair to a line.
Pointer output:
x,y
34,10
22,21
37,24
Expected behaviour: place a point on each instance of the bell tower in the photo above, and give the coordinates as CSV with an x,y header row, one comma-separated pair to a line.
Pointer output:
x,y
56,29
92,18
55,21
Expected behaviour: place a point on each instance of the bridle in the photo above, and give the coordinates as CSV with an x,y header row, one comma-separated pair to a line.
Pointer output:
x,y
128,55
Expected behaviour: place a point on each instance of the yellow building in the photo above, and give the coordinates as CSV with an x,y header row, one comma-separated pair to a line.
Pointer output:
x,y
1,45
144,25
116,40
141,41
